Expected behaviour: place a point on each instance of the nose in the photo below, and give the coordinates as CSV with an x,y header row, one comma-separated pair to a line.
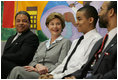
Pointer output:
x,y
21,22
99,13
77,22
55,25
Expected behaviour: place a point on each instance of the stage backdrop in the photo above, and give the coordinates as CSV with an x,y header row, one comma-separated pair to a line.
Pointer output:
x,y
38,11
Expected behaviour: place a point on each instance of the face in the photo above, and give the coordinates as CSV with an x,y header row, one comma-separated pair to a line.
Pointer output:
x,y
22,23
55,27
82,22
103,16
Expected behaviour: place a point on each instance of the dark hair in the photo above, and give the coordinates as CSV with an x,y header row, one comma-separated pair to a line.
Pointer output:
x,y
113,4
90,11
86,3
25,13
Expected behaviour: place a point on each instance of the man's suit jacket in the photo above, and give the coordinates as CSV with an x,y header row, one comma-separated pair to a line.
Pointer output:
x,y
105,67
18,53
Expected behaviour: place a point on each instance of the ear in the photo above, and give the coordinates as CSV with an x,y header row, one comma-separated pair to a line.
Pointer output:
x,y
91,19
111,12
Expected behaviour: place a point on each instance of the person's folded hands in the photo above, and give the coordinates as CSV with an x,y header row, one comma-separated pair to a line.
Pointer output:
x,y
30,68
41,69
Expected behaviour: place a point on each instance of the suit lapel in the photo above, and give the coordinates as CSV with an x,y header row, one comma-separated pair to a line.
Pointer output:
x,y
8,44
92,54
110,45
95,49
18,39
21,37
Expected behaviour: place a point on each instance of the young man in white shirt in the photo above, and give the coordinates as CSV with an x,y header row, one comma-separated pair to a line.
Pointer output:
x,y
102,62
86,21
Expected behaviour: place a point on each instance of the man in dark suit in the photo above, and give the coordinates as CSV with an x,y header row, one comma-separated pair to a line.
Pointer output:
x,y
102,62
20,48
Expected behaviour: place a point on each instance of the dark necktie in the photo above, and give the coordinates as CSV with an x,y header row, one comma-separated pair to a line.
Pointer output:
x,y
65,67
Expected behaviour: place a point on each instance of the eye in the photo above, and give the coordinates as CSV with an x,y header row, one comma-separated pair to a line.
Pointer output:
x,y
58,23
51,24
24,20
79,19
17,20
101,9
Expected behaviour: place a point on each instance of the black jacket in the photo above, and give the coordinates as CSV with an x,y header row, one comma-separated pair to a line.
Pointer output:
x,y
18,53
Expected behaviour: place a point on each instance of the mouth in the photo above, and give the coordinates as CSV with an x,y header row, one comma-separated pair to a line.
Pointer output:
x,y
21,26
78,26
56,30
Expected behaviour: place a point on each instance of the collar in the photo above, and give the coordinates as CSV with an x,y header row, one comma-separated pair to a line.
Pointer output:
x,y
48,41
88,34
112,33
24,32
19,34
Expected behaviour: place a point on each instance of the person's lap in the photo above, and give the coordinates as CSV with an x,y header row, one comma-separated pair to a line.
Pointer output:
x,y
20,72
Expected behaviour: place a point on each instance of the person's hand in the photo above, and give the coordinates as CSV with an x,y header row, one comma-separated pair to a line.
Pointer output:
x,y
71,77
30,68
46,76
41,69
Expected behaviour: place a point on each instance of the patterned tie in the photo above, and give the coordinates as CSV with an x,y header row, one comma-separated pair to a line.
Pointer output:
x,y
100,50
102,46
65,67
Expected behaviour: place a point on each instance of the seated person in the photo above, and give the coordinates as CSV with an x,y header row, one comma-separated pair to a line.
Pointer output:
x,y
49,54
78,54
20,48
102,62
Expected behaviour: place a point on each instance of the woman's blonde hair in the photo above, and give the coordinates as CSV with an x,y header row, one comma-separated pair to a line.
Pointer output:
x,y
56,15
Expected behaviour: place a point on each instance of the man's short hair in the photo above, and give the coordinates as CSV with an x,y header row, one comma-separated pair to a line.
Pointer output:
x,y
113,4
90,11
25,13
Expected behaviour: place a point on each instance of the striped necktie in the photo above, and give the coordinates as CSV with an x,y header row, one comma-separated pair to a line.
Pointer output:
x,y
102,46
100,50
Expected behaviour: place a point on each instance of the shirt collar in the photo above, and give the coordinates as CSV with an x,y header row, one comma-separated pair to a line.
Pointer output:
x,y
88,34
112,33
48,41
18,34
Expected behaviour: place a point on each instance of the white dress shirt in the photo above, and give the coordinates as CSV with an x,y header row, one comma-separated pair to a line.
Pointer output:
x,y
111,35
80,57
18,34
